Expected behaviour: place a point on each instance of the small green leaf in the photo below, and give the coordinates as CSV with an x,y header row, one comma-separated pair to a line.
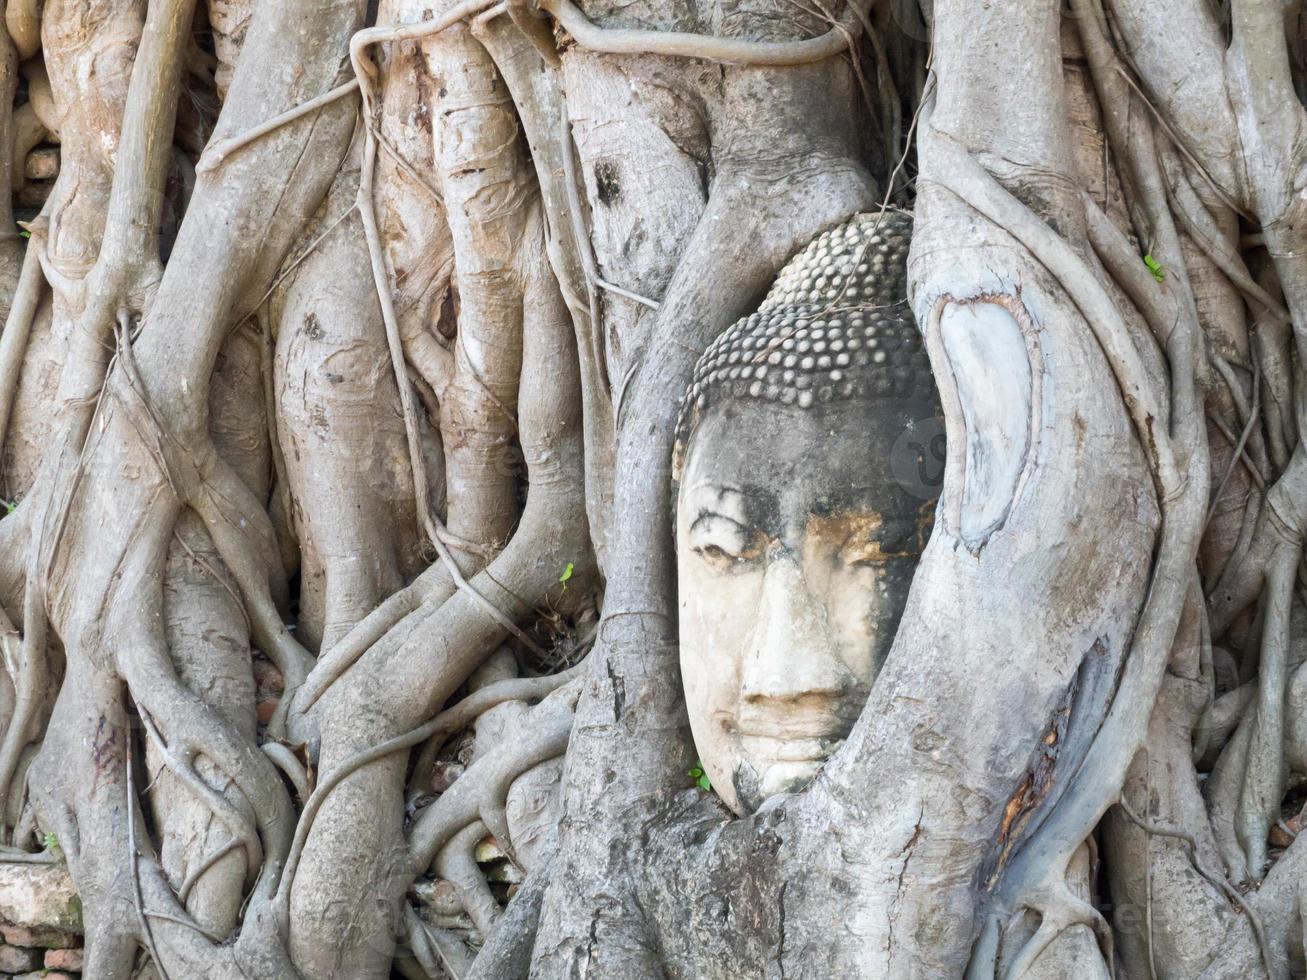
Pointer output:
x,y
10,505
700,777
567,573
1155,268
51,843
24,233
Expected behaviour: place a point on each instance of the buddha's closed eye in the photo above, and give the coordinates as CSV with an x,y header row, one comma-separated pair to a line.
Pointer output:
x,y
724,542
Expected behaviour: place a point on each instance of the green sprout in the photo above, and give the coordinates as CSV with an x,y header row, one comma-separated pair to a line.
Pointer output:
x,y
699,776
1155,268
567,574
51,844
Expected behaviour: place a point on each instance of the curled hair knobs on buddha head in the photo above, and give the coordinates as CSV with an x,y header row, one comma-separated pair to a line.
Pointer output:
x,y
834,327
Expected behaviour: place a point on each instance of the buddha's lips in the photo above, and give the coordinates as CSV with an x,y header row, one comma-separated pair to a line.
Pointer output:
x,y
785,721
789,749
790,736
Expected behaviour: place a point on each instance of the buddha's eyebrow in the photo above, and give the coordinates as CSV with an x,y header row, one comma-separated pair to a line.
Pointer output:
x,y
708,500
708,516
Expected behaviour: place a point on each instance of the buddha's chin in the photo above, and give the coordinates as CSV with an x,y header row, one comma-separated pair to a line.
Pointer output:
x,y
781,776
788,777
772,765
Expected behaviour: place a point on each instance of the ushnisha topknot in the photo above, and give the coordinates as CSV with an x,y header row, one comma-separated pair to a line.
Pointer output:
x,y
835,326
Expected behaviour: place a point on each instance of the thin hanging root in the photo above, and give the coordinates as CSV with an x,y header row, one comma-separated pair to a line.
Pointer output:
x,y
1207,236
1241,454
1218,881
134,856
452,720
653,304
291,267
402,162
182,765
1238,453
457,864
216,153
1259,465
202,868
729,50
366,71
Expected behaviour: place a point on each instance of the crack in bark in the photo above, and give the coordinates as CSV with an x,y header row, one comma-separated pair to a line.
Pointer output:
x,y
618,685
906,854
780,949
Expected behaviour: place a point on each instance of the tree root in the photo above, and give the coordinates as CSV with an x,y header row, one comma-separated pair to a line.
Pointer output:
x,y
506,952
134,858
29,673
1264,772
1217,880
1180,473
442,726
217,152
481,791
729,50
1058,911
182,765
18,325
456,864
365,71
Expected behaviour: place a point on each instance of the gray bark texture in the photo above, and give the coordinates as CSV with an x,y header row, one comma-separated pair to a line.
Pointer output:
x,y
344,349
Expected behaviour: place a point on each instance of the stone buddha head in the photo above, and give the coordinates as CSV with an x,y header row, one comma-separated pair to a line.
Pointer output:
x,y
808,457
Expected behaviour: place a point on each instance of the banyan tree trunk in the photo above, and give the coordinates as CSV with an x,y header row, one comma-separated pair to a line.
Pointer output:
x,y
339,391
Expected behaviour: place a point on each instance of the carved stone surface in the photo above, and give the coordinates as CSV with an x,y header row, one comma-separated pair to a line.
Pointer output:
x,y
809,452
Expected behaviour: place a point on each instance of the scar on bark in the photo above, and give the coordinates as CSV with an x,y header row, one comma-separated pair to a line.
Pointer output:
x,y
1036,785
992,421
104,751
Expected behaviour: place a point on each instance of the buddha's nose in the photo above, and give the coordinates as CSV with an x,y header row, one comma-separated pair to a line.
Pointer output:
x,y
790,654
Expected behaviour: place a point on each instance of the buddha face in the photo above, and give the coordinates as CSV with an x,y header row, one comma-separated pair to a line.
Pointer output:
x,y
796,547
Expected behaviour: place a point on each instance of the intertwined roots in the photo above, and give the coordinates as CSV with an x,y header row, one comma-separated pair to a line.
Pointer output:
x,y
338,394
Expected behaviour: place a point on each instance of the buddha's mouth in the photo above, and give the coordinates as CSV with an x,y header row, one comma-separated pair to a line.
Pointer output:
x,y
788,748
784,721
